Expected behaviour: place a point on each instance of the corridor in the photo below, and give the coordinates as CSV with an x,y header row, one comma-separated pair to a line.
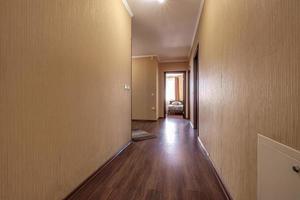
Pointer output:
x,y
82,82
172,166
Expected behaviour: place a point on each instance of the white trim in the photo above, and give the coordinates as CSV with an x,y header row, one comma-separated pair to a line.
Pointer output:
x,y
196,26
145,56
218,174
128,8
159,60
174,61
203,147
191,124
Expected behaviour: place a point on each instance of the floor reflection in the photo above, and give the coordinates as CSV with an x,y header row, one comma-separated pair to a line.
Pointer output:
x,y
170,131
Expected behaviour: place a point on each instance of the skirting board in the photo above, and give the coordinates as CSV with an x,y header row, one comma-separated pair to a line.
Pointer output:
x,y
221,183
91,177
192,125
203,147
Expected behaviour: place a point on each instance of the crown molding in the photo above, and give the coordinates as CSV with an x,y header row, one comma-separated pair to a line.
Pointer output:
x,y
128,8
196,26
174,61
147,56
159,59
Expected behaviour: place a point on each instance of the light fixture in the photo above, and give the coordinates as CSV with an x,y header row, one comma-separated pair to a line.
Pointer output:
x,y
161,1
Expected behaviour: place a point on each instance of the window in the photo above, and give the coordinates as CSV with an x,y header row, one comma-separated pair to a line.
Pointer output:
x,y
170,89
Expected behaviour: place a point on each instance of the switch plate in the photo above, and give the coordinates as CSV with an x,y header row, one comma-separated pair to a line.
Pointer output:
x,y
126,87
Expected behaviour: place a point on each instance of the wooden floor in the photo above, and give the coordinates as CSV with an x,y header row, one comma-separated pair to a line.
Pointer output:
x,y
172,166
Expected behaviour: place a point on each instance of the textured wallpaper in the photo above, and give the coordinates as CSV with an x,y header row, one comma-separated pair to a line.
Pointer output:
x,y
249,69
63,66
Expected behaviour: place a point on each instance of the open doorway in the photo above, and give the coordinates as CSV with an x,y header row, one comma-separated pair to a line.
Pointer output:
x,y
175,94
196,89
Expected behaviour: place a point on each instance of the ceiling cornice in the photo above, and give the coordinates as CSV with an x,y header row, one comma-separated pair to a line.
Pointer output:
x,y
196,26
128,8
147,56
174,61
159,59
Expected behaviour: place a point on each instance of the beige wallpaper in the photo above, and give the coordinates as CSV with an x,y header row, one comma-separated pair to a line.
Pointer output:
x,y
249,83
144,88
165,67
63,66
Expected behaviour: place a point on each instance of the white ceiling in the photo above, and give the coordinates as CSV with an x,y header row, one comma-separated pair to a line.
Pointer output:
x,y
163,29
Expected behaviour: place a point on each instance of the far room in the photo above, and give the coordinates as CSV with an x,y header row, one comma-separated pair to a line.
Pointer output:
x,y
175,94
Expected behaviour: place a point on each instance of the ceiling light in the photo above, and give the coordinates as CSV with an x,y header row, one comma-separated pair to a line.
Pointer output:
x,y
161,1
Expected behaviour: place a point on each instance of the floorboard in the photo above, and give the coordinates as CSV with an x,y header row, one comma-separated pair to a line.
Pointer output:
x,y
169,167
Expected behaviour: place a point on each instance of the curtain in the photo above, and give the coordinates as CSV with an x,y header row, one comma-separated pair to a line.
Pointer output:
x,y
177,89
170,89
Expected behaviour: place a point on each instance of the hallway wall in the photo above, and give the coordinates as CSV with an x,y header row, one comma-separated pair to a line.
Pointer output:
x,y
63,66
144,88
249,69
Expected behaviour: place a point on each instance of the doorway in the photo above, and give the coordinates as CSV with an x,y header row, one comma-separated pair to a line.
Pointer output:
x,y
196,89
175,94
189,95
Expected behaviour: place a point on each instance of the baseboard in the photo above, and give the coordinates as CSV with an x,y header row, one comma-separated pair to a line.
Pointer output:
x,y
91,177
192,125
203,147
221,183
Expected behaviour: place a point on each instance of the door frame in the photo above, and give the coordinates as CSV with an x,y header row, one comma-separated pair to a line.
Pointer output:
x,y
184,91
196,88
189,94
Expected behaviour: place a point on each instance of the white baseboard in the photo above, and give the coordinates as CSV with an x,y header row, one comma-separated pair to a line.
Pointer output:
x,y
192,125
203,147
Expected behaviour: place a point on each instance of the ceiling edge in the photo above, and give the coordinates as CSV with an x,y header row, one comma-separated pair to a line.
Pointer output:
x,y
174,61
128,8
196,26
147,56
159,59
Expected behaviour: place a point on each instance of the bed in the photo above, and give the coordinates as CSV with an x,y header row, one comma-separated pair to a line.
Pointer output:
x,y
175,108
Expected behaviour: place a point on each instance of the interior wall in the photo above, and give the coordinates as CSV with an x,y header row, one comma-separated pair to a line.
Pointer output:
x,y
249,69
169,67
63,66
144,88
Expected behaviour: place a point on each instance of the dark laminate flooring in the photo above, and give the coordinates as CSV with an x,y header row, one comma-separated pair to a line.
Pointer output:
x,y
170,167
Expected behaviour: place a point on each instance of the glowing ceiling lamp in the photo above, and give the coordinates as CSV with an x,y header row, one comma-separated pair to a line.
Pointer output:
x,y
161,1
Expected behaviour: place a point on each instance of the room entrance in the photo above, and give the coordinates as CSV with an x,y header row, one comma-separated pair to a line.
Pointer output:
x,y
175,94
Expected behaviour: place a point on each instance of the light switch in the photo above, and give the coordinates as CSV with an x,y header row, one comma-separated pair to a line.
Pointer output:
x,y
126,87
